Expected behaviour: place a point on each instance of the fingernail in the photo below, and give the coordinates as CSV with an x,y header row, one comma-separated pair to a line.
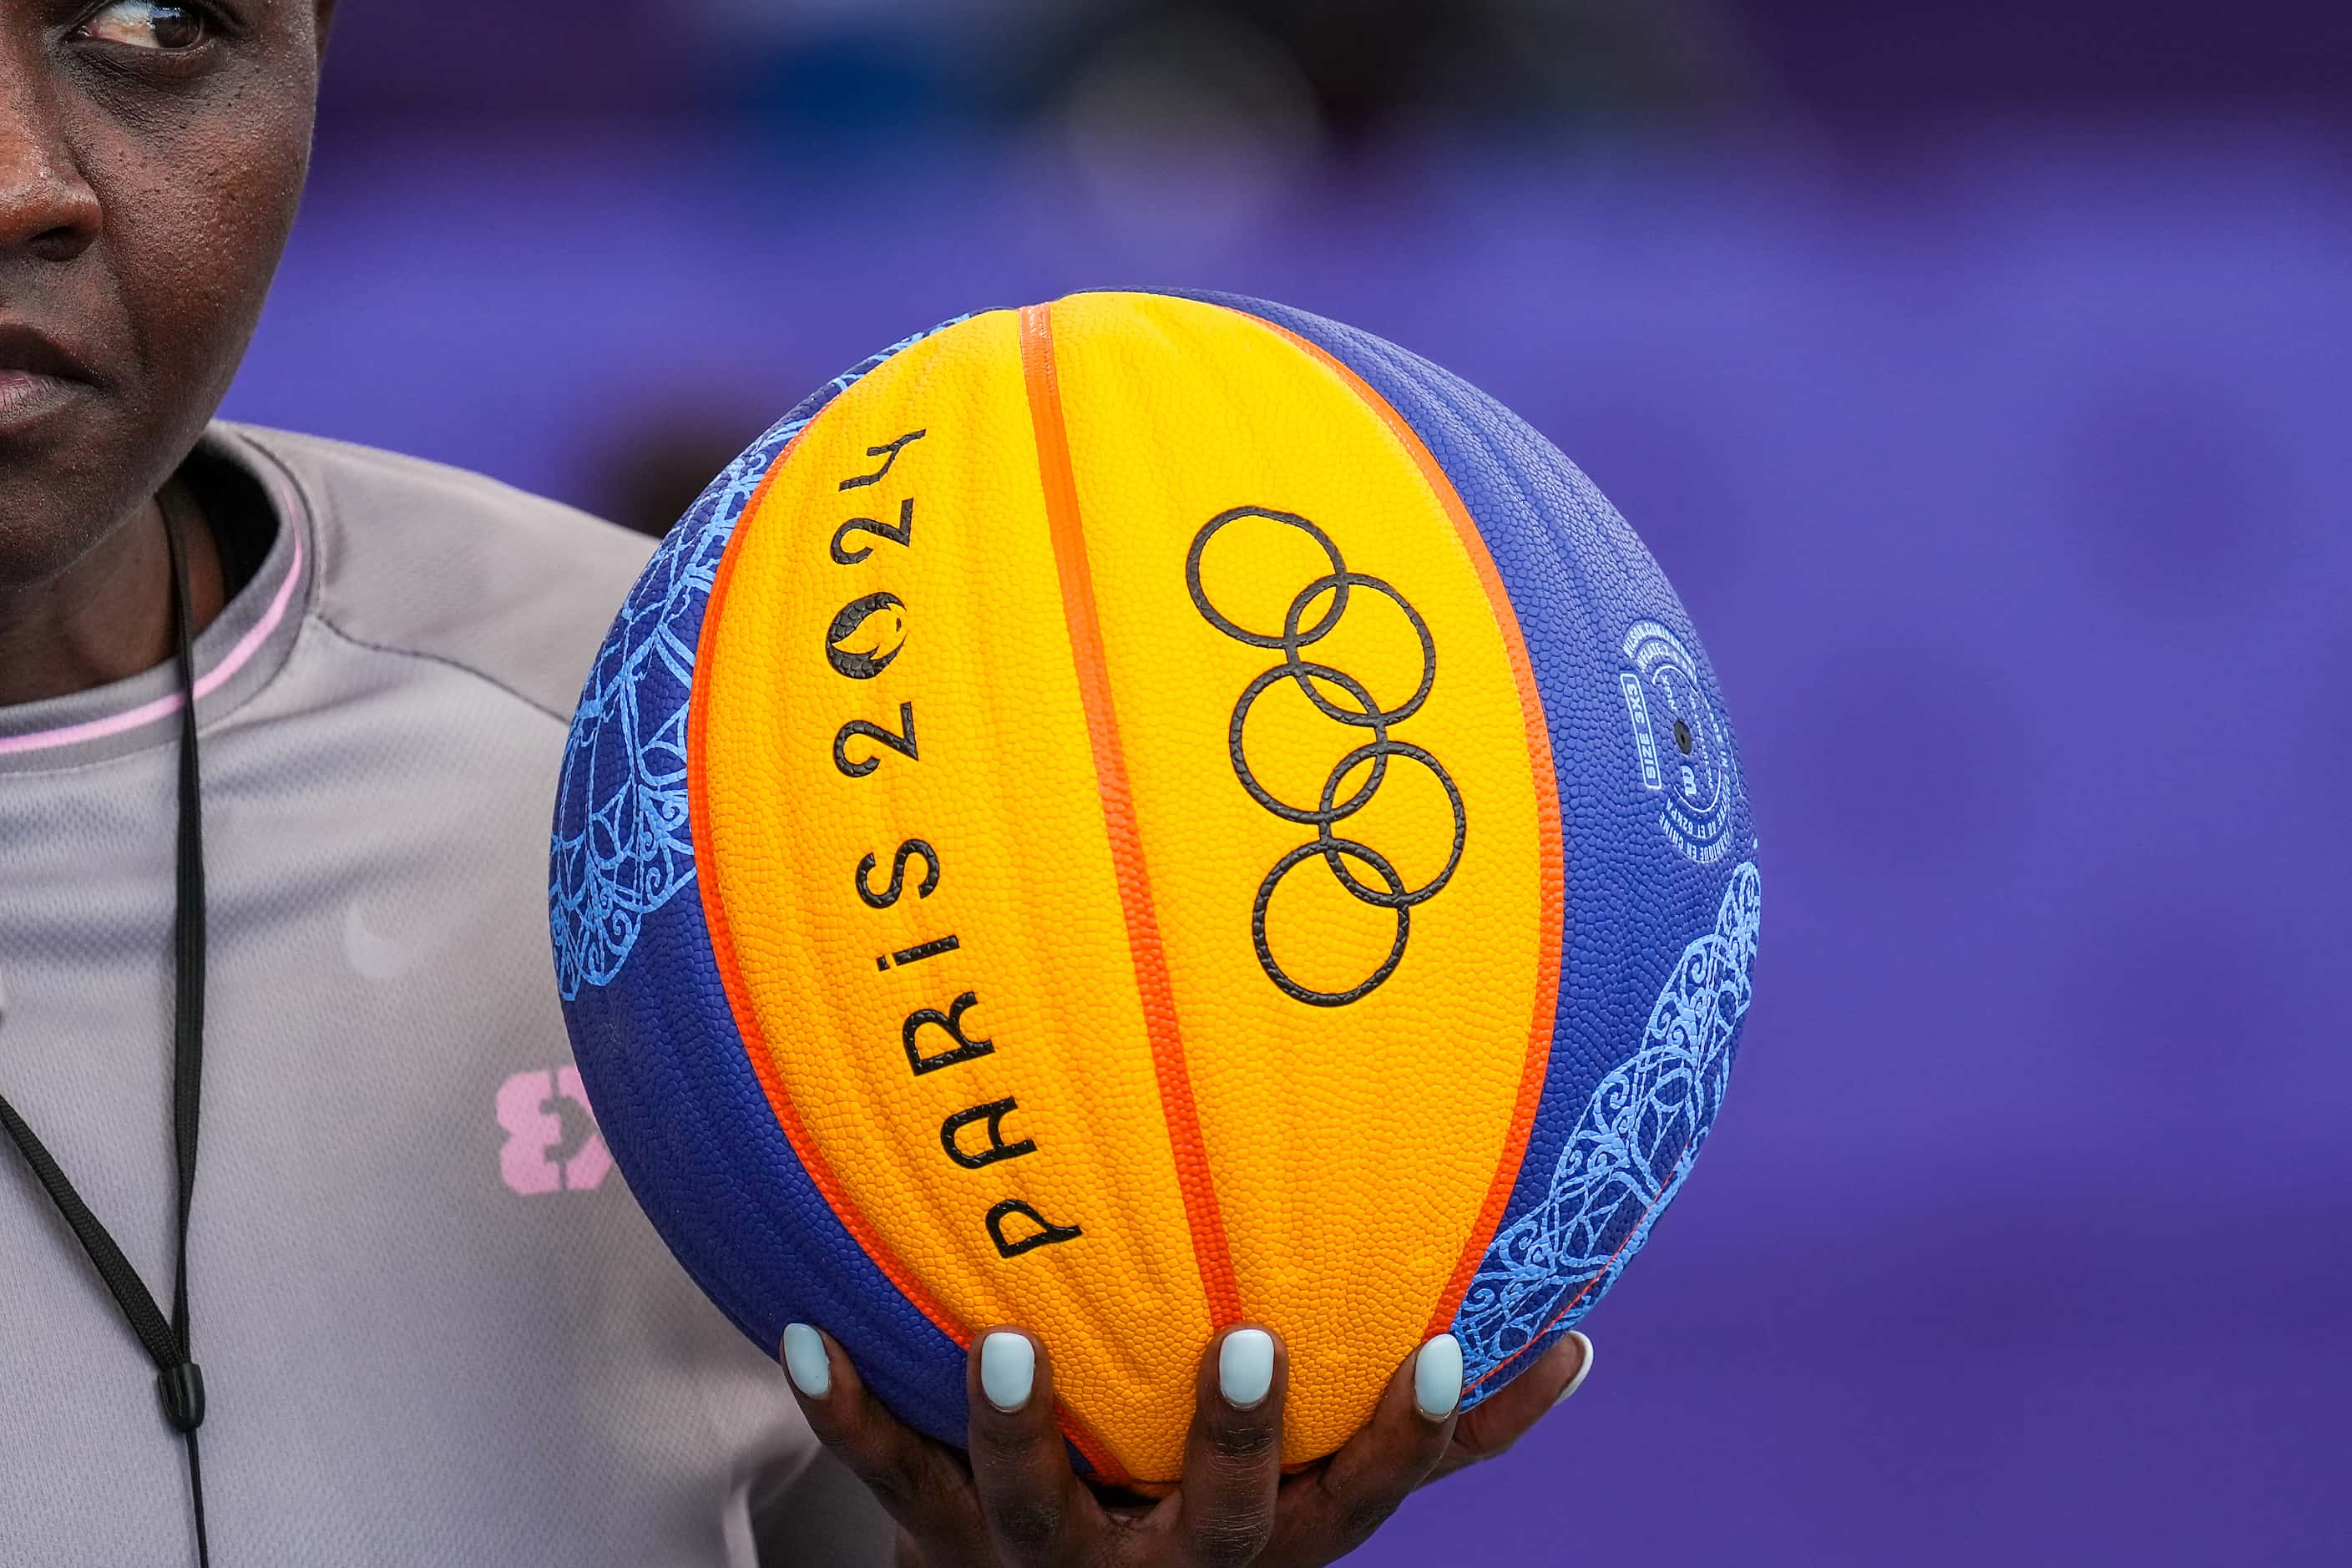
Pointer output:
x,y
1437,1377
1583,1369
805,1361
1245,1368
1008,1370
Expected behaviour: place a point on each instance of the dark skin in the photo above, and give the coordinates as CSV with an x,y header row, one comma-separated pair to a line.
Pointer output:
x,y
151,158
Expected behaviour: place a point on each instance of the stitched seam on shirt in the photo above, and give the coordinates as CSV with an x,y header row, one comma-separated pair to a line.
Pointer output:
x,y
317,507
493,682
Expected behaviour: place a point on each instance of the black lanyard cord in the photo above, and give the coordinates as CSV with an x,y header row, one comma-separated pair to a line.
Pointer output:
x,y
179,1380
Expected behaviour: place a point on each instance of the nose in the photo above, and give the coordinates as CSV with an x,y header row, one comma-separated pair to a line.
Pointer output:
x,y
47,209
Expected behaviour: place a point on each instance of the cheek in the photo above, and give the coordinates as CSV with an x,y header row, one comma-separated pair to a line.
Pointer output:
x,y
197,232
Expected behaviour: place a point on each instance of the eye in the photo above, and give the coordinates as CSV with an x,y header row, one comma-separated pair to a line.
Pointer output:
x,y
155,24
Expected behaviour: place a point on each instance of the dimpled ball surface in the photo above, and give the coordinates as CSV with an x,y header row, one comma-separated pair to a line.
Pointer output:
x,y
1142,813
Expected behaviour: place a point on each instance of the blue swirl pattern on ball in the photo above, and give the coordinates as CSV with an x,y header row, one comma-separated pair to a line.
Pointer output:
x,y
623,845
1628,1155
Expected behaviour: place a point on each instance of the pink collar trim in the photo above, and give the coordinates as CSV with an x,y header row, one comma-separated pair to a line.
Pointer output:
x,y
163,707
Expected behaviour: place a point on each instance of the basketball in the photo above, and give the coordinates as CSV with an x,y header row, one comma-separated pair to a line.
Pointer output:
x,y
1147,812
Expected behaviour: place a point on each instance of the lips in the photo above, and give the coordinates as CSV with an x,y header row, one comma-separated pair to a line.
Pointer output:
x,y
45,387
26,349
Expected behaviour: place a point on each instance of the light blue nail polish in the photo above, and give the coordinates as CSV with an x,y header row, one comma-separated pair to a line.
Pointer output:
x,y
1008,1370
805,1361
1245,1368
1437,1377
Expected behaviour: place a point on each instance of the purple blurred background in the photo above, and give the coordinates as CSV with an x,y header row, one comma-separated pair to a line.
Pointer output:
x,y
1979,372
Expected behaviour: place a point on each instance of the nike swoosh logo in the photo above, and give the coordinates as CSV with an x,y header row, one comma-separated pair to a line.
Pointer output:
x,y
372,956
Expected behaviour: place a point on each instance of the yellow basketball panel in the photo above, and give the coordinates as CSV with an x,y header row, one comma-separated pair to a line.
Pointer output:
x,y
1353,1145
1002,789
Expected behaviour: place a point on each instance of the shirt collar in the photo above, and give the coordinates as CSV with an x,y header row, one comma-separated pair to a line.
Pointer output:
x,y
237,655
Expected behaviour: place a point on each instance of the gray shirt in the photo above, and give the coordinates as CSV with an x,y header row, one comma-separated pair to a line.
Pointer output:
x,y
435,1327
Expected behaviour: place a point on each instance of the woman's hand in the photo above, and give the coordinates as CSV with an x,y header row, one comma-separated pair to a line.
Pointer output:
x,y
1014,1502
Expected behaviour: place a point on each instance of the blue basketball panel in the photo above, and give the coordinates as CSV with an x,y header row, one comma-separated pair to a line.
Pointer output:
x,y
1662,897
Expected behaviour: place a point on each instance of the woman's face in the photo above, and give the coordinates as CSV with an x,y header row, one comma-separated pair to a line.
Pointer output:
x,y
152,156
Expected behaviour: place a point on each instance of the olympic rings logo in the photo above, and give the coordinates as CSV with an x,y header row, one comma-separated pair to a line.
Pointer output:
x,y
1339,585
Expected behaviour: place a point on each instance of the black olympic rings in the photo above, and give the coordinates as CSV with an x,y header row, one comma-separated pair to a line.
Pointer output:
x,y
1337,584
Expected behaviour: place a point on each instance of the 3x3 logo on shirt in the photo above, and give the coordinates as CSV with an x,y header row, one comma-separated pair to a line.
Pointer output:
x,y
546,1149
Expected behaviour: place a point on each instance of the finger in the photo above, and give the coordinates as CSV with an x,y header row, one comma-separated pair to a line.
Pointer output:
x,y
1036,1511
1330,1511
1232,1459
917,1481
1490,1431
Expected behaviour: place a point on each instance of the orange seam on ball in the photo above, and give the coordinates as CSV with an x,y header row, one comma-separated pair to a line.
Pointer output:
x,y
1210,1250
722,948
1552,866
